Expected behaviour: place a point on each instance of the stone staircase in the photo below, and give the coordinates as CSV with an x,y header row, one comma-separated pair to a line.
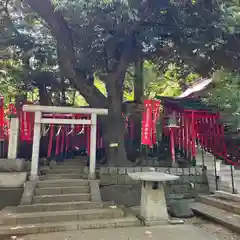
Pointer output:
x,y
224,180
224,175
222,208
63,201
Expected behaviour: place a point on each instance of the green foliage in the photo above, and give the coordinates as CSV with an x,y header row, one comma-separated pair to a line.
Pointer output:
x,y
11,77
231,15
102,30
226,96
30,58
160,83
183,33
165,84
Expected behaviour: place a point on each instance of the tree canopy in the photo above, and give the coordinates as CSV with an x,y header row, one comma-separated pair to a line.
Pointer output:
x,y
91,48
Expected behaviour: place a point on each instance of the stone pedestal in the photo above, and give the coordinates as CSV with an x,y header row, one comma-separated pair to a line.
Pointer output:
x,y
153,206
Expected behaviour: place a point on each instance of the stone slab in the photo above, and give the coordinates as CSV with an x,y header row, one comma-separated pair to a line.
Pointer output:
x,y
61,206
13,179
61,198
126,170
9,231
60,216
228,196
227,205
62,183
62,190
173,232
153,176
225,218
64,170
61,176
11,165
10,196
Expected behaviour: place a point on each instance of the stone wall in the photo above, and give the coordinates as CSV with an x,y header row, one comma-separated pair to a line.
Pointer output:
x,y
10,196
118,187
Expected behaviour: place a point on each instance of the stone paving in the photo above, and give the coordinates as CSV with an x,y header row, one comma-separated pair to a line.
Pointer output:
x,y
220,232
171,232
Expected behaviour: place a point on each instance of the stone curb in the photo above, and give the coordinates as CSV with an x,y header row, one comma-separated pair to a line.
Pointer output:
x,y
95,191
27,196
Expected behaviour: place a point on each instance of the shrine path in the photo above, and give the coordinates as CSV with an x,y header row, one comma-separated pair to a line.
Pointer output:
x,y
171,232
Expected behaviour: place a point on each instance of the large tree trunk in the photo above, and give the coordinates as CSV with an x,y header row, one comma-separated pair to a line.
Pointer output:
x,y
114,139
43,95
138,81
113,127
138,98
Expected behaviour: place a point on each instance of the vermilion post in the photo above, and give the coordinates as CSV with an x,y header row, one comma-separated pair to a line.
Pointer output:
x,y
193,140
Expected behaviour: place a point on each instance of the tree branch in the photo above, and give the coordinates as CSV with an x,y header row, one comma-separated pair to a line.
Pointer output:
x,y
66,53
131,74
8,28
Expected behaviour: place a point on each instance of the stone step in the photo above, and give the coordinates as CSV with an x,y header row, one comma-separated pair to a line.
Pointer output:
x,y
78,162
61,198
229,179
65,170
58,206
67,226
62,183
61,176
229,206
227,219
61,216
62,190
66,166
227,196
228,171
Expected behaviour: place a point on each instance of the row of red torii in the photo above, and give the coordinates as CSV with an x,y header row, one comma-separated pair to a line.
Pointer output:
x,y
39,120
204,128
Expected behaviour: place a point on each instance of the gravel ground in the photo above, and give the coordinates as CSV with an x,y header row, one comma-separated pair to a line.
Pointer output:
x,y
216,230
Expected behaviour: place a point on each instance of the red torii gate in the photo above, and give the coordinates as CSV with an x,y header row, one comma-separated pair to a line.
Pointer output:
x,y
193,125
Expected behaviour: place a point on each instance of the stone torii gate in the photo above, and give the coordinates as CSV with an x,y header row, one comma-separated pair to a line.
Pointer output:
x,y
38,110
